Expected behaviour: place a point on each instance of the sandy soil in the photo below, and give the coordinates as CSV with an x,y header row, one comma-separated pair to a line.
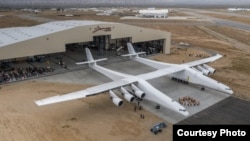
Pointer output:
x,y
10,19
91,119
176,13
240,35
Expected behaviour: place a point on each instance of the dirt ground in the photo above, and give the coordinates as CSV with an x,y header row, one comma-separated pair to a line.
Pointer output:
x,y
96,118
240,35
10,19
91,119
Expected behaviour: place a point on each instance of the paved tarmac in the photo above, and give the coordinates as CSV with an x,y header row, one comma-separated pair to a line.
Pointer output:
x,y
232,110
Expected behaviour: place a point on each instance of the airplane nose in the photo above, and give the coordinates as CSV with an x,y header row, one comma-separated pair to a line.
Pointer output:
x,y
185,113
230,92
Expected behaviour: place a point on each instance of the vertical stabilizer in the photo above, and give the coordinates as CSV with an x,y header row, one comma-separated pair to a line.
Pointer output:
x,y
89,55
131,51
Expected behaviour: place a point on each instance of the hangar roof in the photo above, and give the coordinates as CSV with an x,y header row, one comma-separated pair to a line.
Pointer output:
x,y
18,34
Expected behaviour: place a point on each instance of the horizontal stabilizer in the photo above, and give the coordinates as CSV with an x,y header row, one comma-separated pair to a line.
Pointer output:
x,y
90,58
134,54
92,61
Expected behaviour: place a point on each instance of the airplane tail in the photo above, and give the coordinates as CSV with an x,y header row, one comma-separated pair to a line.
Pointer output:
x,y
90,58
89,55
131,51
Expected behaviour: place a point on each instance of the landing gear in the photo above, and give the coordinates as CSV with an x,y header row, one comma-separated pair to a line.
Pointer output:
x,y
179,80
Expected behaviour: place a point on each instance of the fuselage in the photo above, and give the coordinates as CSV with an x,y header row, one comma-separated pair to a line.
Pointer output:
x,y
192,76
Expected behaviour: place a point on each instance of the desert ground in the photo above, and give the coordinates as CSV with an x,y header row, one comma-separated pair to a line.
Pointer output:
x,y
22,120
92,119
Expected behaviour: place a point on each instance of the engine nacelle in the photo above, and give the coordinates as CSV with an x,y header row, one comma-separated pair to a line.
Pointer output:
x,y
127,95
139,93
204,71
196,70
210,69
115,99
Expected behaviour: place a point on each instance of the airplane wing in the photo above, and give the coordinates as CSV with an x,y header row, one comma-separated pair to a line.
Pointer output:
x,y
95,90
161,65
120,80
152,63
203,61
160,72
175,68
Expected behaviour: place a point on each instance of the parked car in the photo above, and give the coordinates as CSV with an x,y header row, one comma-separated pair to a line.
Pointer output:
x,y
158,128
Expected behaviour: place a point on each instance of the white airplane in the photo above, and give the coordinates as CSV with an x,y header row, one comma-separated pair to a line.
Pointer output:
x,y
137,86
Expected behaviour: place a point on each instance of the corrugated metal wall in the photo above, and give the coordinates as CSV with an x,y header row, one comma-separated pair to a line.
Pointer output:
x,y
55,42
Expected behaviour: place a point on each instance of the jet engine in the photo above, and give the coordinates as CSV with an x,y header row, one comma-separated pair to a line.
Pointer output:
x,y
115,99
204,71
139,93
210,69
196,70
127,95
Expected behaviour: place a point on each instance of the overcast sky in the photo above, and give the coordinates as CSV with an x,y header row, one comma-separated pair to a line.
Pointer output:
x,y
123,2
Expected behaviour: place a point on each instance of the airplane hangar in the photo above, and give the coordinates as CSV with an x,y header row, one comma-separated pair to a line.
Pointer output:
x,y
55,37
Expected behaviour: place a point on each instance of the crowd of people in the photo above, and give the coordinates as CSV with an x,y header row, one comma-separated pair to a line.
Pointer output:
x,y
15,74
188,101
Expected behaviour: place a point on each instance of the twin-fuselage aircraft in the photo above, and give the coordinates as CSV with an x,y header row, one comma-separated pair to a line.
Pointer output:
x,y
132,87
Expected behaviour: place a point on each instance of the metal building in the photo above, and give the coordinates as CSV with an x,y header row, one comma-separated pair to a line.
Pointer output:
x,y
153,13
54,37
